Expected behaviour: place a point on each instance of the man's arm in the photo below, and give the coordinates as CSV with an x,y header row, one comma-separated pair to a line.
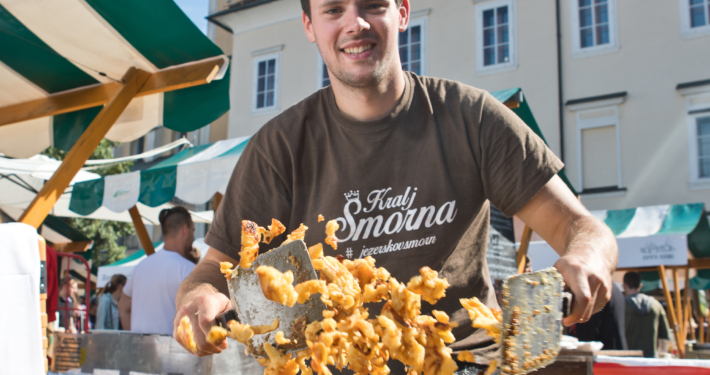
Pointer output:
x,y
587,247
124,311
202,296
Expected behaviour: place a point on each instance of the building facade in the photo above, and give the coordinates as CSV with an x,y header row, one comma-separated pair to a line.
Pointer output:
x,y
620,89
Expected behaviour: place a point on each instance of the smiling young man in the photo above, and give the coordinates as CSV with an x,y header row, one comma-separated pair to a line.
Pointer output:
x,y
408,166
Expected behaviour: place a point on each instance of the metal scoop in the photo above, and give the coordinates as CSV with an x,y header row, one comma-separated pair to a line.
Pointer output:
x,y
533,307
254,309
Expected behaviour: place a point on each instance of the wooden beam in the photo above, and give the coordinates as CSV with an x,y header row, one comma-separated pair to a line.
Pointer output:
x,y
523,250
78,155
671,309
217,201
678,302
169,79
512,105
702,263
688,312
141,231
72,247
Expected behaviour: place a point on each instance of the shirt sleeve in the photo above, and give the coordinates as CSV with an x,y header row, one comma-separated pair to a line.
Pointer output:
x,y
663,330
128,288
515,162
258,191
101,314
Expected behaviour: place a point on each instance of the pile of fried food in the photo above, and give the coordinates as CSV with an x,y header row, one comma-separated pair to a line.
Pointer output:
x,y
347,337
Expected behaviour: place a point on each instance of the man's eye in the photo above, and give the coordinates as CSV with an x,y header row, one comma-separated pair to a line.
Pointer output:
x,y
332,11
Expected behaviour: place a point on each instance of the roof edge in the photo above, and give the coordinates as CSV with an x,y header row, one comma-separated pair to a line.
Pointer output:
x,y
236,8
597,98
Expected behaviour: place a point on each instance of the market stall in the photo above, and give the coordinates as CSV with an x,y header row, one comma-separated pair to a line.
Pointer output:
x,y
652,240
70,70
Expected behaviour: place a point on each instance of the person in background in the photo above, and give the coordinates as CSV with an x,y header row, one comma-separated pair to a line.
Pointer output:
x,y
645,321
67,297
607,326
528,264
194,255
93,308
107,316
148,302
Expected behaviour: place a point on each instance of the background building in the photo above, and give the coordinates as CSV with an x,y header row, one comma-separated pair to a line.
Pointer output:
x,y
621,89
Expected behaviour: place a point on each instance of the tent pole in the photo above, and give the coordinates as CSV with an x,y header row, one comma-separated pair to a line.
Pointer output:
x,y
679,306
688,310
141,231
523,250
217,201
43,202
671,309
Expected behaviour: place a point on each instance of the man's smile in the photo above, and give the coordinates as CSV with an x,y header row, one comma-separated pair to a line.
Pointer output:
x,y
358,50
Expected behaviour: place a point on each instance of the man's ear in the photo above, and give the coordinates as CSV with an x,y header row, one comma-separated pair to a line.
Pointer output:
x,y
308,27
403,15
640,287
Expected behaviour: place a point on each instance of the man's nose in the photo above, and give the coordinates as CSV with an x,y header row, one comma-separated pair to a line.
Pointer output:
x,y
354,21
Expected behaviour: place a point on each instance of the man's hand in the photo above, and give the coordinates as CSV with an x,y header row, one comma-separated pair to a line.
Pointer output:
x,y
202,310
587,247
202,296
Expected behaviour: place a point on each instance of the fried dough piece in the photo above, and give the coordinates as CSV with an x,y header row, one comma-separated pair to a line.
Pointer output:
x,y
372,280
466,356
492,367
275,229
217,335
316,251
227,271
297,234
482,317
405,303
308,288
276,285
330,228
280,339
320,218
250,243
428,285
184,331
239,332
266,328
279,363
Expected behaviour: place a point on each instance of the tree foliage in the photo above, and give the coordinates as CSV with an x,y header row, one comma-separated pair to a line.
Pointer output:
x,y
104,233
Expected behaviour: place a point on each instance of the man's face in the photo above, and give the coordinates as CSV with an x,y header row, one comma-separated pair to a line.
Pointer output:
x,y
189,237
358,39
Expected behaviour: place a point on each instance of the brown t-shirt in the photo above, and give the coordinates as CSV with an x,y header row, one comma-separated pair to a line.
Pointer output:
x,y
410,190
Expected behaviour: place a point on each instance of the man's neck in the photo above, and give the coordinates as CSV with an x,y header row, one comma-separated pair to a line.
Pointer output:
x,y
370,103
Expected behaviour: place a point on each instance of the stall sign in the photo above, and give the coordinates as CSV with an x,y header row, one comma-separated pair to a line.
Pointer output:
x,y
651,251
501,255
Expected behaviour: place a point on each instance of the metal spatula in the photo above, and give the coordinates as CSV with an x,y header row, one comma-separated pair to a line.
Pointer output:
x,y
533,307
254,309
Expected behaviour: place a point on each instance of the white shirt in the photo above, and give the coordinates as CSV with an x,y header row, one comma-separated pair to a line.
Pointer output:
x,y
153,286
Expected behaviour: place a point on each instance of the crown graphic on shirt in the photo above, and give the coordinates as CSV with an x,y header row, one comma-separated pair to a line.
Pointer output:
x,y
352,195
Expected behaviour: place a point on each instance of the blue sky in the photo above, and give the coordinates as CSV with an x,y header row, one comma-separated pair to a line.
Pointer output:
x,y
197,11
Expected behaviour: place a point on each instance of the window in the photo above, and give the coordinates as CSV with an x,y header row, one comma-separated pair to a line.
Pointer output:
x,y
695,17
599,146
266,82
412,46
495,34
593,27
698,117
702,126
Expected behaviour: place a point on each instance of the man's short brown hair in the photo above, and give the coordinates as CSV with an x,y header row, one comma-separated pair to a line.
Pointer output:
x,y
632,279
306,6
173,219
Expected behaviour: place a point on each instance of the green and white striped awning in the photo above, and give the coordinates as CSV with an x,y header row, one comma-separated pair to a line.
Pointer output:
x,y
193,175
647,237
51,46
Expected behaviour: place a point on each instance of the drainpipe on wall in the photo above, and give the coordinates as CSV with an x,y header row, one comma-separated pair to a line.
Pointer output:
x,y
560,102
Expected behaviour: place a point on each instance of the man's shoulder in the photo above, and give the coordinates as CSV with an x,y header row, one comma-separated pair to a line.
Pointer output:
x,y
293,121
449,90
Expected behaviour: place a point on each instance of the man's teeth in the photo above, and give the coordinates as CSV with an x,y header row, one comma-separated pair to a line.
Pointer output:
x,y
358,50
